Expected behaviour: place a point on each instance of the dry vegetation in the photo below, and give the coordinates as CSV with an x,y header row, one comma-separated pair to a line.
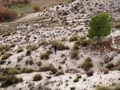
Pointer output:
x,y
11,9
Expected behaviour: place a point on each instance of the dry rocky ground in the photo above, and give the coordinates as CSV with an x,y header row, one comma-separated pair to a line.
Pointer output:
x,y
26,48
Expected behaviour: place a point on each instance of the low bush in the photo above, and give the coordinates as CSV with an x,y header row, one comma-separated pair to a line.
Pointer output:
x,y
37,77
12,45
87,64
12,71
117,87
7,14
10,80
28,52
59,73
74,38
77,79
20,49
74,53
36,8
31,47
49,68
59,45
76,46
2,47
45,55
39,63
29,62
6,56
72,88
102,88
27,70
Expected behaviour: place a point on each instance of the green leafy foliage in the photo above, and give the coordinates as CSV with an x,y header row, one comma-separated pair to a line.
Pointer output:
x,y
100,26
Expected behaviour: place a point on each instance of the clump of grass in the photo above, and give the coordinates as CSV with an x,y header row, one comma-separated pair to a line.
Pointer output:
x,y
102,88
10,80
45,55
74,38
90,72
12,71
36,8
12,45
110,66
27,70
49,68
39,63
29,62
72,88
59,73
2,47
37,77
20,49
87,64
117,87
2,52
76,46
2,76
6,56
7,14
59,45
77,79
31,47
9,71
74,53
28,52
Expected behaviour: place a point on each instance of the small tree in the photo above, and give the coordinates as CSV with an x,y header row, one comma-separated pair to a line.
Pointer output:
x,y
100,26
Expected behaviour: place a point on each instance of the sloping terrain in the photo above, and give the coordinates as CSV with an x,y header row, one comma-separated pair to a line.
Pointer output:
x,y
29,43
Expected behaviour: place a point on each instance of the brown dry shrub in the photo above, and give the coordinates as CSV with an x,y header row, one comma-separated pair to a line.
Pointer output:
x,y
36,8
7,14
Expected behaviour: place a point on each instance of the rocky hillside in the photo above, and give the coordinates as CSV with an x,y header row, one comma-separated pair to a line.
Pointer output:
x,y
27,49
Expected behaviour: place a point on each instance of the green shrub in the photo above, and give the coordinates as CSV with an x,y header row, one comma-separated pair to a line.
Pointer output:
x,y
20,49
39,63
59,73
29,62
102,88
9,71
28,53
100,26
31,47
49,68
76,79
12,71
27,70
2,52
74,38
37,77
2,76
87,64
72,88
6,56
90,72
76,46
45,55
74,53
59,45
10,80
12,45
2,47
